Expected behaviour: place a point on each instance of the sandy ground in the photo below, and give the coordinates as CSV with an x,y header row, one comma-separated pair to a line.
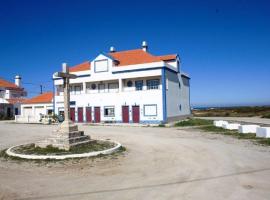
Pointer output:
x,y
245,120
160,163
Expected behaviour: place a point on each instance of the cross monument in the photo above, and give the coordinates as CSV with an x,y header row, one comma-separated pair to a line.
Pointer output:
x,y
67,134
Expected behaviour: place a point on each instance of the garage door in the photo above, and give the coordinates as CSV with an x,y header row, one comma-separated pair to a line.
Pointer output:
x,y
27,111
39,110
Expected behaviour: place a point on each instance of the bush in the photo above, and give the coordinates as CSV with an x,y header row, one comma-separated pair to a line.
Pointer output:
x,y
267,115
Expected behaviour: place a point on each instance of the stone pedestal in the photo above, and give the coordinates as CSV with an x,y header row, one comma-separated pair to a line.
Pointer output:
x,y
65,137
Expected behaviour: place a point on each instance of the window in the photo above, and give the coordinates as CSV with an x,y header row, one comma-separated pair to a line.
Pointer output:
x,y
152,84
109,111
129,83
139,85
113,87
150,110
77,89
101,88
101,65
60,90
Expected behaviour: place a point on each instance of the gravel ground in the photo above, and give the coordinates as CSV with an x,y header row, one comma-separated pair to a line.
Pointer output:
x,y
160,163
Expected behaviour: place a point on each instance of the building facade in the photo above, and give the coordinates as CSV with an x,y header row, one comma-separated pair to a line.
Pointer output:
x,y
32,109
11,97
131,86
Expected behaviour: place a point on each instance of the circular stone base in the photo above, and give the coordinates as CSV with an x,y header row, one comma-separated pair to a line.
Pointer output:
x,y
11,152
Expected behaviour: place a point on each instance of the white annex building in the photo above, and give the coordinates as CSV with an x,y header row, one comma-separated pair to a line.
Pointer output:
x,y
131,86
11,97
32,109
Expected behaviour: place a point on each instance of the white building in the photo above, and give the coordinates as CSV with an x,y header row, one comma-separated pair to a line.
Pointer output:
x,y
11,96
131,86
32,109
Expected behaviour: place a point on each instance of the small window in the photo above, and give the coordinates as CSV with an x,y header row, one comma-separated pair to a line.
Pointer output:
x,y
150,110
101,65
101,88
109,111
113,87
152,84
93,86
77,89
129,83
139,85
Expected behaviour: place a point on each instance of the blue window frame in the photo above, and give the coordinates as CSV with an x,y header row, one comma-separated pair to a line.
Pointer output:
x,y
152,84
139,85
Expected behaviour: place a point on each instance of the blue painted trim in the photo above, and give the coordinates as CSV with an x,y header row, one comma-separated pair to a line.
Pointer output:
x,y
150,122
144,69
137,70
78,76
164,102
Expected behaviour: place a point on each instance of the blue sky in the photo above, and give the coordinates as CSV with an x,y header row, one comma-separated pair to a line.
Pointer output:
x,y
223,45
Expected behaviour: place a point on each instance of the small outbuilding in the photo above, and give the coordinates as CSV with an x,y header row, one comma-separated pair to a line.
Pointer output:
x,y
32,109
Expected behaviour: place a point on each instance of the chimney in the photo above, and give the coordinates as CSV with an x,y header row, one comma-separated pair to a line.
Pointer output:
x,y
144,46
112,49
18,81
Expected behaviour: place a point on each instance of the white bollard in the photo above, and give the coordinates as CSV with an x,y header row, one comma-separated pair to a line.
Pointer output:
x,y
220,123
231,126
248,128
263,132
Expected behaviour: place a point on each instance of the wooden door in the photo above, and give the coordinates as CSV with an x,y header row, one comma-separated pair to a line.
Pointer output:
x,y
72,114
80,114
125,114
88,114
136,114
97,114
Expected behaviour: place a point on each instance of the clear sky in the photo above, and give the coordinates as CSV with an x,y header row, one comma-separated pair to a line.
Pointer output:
x,y
223,45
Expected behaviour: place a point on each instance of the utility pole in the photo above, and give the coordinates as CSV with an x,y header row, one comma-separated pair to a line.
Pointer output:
x,y
41,89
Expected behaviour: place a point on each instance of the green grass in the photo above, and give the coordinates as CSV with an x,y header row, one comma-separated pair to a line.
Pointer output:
x,y
194,122
49,150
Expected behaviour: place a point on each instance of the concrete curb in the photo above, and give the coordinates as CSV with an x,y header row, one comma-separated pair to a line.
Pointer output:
x,y
62,157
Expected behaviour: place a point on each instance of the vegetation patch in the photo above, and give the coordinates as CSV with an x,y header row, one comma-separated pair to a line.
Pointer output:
x,y
94,145
194,122
266,115
234,133
30,149
244,111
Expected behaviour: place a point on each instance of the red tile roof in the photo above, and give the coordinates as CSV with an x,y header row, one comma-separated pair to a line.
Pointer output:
x,y
168,57
133,57
16,100
43,98
80,67
130,57
8,85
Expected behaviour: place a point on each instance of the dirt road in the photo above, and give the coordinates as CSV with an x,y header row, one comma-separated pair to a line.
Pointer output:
x,y
160,163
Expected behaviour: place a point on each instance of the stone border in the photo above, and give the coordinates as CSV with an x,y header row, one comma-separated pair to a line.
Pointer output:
x,y
62,157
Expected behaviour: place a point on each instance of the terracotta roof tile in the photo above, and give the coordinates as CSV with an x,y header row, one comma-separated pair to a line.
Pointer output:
x,y
8,85
43,98
133,57
168,57
16,100
80,67
129,57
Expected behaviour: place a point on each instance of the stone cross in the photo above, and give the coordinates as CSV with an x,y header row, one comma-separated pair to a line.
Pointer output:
x,y
66,76
68,134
